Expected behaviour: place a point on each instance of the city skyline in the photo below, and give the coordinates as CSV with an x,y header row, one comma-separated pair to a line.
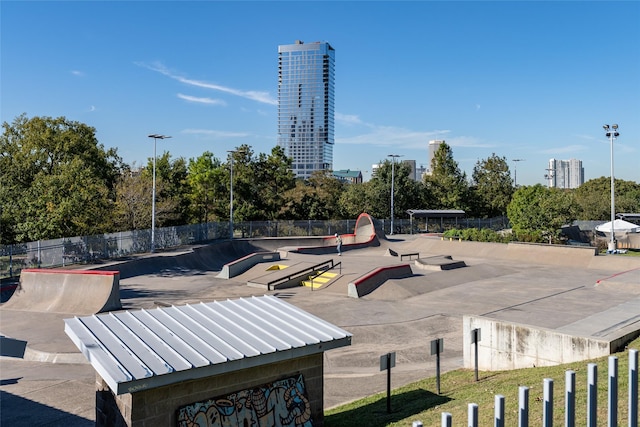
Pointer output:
x,y
527,81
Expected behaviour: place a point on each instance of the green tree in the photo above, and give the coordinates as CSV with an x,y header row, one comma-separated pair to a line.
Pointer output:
x,y
356,199
132,209
492,187
272,178
56,180
206,188
447,186
172,189
406,191
537,213
594,198
316,198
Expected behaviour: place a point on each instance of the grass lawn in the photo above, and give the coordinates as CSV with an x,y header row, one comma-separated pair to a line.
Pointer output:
x,y
419,401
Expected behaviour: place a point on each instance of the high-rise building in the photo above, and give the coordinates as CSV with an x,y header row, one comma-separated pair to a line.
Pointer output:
x,y
433,147
412,165
565,173
306,105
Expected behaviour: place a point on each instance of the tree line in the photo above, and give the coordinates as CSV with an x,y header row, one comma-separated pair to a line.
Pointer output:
x,y
57,180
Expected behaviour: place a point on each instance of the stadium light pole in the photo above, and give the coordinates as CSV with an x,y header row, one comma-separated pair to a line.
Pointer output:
x,y
393,164
612,133
231,153
515,171
155,137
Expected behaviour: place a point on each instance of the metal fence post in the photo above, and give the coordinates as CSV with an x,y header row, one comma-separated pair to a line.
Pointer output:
x,y
523,406
472,415
547,403
592,395
446,419
570,399
613,392
498,412
633,388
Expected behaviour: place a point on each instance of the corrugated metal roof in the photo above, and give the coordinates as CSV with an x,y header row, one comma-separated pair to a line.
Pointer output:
x,y
142,349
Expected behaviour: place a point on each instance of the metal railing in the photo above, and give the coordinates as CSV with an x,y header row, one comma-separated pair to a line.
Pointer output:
x,y
569,400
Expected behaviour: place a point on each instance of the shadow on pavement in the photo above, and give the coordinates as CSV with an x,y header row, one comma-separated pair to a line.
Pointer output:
x,y
375,414
35,414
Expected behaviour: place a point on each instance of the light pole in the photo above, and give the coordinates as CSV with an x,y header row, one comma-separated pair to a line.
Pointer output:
x,y
612,133
515,171
231,153
155,137
393,164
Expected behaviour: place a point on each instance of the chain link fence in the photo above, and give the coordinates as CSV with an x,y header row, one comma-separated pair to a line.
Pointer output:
x,y
89,249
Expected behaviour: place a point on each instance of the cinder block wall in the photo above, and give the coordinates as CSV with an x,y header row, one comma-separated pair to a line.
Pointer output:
x,y
158,406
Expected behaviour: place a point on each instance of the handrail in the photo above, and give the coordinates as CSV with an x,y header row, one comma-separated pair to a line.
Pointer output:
x,y
322,270
298,274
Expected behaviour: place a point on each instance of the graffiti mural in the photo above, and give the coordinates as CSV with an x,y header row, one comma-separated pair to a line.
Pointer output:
x,y
281,403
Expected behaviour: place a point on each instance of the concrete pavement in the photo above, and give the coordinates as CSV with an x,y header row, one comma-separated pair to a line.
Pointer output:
x,y
402,315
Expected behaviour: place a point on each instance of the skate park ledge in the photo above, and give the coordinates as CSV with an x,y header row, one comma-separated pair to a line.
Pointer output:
x,y
506,345
372,280
243,264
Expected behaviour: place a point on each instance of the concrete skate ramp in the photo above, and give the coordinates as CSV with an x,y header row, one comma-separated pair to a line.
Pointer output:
x,y
79,292
365,234
561,255
186,261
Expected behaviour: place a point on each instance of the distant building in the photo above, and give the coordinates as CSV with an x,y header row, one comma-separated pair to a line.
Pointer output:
x,y
412,165
421,171
433,147
306,105
413,174
565,173
353,177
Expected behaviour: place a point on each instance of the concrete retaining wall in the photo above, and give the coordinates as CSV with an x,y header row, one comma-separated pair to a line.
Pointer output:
x,y
371,281
506,345
243,264
77,292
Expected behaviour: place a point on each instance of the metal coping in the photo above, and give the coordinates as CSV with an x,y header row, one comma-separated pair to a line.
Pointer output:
x,y
138,350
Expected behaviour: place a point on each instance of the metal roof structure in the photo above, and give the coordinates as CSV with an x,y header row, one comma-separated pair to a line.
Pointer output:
x,y
142,349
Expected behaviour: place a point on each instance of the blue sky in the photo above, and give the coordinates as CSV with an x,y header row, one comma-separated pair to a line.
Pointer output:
x,y
523,80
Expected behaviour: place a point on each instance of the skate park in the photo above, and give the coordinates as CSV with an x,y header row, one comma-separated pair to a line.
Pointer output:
x,y
567,290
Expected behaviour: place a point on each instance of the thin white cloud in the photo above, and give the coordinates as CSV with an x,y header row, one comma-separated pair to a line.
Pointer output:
x,y
387,136
468,142
216,134
77,73
349,119
258,96
566,149
199,100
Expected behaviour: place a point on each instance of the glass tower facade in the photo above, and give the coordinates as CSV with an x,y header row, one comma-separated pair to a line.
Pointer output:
x,y
306,105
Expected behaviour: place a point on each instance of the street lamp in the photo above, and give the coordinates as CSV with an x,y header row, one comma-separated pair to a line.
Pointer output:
x,y
612,133
231,152
515,172
393,163
155,137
